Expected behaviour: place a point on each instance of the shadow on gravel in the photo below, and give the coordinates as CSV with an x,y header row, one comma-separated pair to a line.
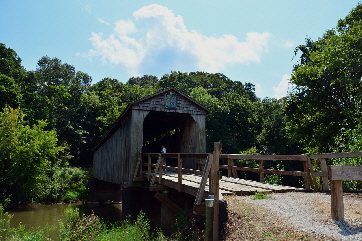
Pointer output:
x,y
347,229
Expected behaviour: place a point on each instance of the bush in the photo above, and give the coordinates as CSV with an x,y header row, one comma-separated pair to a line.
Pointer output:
x,y
70,184
28,157
91,227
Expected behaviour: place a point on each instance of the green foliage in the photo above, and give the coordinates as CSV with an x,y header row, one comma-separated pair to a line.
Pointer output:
x,y
186,228
76,227
70,184
10,93
27,157
90,227
10,63
349,140
274,178
248,162
327,97
5,219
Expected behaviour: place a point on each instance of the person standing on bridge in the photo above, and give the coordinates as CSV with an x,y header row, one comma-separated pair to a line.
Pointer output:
x,y
163,150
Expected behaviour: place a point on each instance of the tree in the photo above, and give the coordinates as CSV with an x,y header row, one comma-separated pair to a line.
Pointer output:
x,y
146,81
57,90
231,120
273,137
10,63
10,92
28,156
328,89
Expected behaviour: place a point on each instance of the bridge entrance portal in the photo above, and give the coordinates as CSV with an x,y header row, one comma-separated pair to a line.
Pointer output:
x,y
174,130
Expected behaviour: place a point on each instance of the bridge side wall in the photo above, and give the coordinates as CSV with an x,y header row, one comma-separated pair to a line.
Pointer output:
x,y
109,161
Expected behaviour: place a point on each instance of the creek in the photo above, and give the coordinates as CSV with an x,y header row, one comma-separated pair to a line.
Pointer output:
x,y
35,216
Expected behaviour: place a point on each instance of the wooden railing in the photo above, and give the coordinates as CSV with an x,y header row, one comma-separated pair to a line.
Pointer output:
x,y
322,162
210,171
261,170
158,168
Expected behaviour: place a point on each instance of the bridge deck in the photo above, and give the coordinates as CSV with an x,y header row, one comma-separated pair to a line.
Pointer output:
x,y
227,185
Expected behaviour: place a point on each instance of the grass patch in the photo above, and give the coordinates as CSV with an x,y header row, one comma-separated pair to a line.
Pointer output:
x,y
259,196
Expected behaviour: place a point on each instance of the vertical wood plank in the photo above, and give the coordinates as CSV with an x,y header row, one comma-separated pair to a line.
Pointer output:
x,y
312,179
337,206
306,177
261,174
205,174
229,166
215,174
141,165
324,168
179,170
149,167
160,170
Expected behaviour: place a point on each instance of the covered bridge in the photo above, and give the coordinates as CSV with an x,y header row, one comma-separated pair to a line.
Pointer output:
x,y
167,117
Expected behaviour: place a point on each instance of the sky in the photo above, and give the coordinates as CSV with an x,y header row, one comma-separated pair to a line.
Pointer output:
x,y
248,41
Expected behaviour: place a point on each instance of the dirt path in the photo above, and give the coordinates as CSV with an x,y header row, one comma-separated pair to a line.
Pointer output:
x,y
292,216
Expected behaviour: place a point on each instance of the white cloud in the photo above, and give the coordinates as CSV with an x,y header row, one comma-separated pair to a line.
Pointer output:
x,y
102,21
283,88
87,8
258,90
157,41
289,44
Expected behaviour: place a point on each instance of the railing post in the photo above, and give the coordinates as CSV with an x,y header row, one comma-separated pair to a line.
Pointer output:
x,y
141,166
230,164
149,167
307,176
337,206
323,165
261,174
160,170
215,174
179,170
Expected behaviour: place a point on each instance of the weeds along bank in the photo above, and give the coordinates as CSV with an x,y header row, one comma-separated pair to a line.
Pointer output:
x,y
91,227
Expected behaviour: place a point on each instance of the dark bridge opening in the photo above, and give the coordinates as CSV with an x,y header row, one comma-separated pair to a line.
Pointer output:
x,y
170,129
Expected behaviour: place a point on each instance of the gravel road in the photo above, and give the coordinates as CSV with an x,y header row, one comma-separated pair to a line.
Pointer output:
x,y
310,213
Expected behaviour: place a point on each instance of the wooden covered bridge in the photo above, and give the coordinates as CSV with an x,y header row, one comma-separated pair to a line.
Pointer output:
x,y
128,159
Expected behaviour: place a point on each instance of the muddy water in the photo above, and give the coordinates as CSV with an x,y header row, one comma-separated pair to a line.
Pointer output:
x,y
40,215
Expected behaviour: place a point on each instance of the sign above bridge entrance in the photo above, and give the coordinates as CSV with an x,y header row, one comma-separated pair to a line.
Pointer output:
x,y
171,100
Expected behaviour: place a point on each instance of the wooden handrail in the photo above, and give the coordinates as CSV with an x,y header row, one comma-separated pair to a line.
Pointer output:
x,y
261,158
272,171
336,155
322,158
266,157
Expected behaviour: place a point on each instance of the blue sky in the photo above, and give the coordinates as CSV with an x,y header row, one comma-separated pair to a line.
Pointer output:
x,y
248,41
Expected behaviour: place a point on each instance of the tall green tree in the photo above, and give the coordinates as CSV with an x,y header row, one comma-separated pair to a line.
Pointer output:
x,y
273,137
232,119
10,63
11,73
328,89
56,89
146,81
28,156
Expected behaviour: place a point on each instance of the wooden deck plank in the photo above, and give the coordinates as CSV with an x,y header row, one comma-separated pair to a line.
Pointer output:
x,y
227,185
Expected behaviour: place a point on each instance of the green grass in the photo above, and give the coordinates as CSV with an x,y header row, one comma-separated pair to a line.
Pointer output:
x,y
259,196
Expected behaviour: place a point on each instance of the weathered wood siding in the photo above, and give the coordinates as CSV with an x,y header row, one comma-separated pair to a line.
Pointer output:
x,y
108,160
115,160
